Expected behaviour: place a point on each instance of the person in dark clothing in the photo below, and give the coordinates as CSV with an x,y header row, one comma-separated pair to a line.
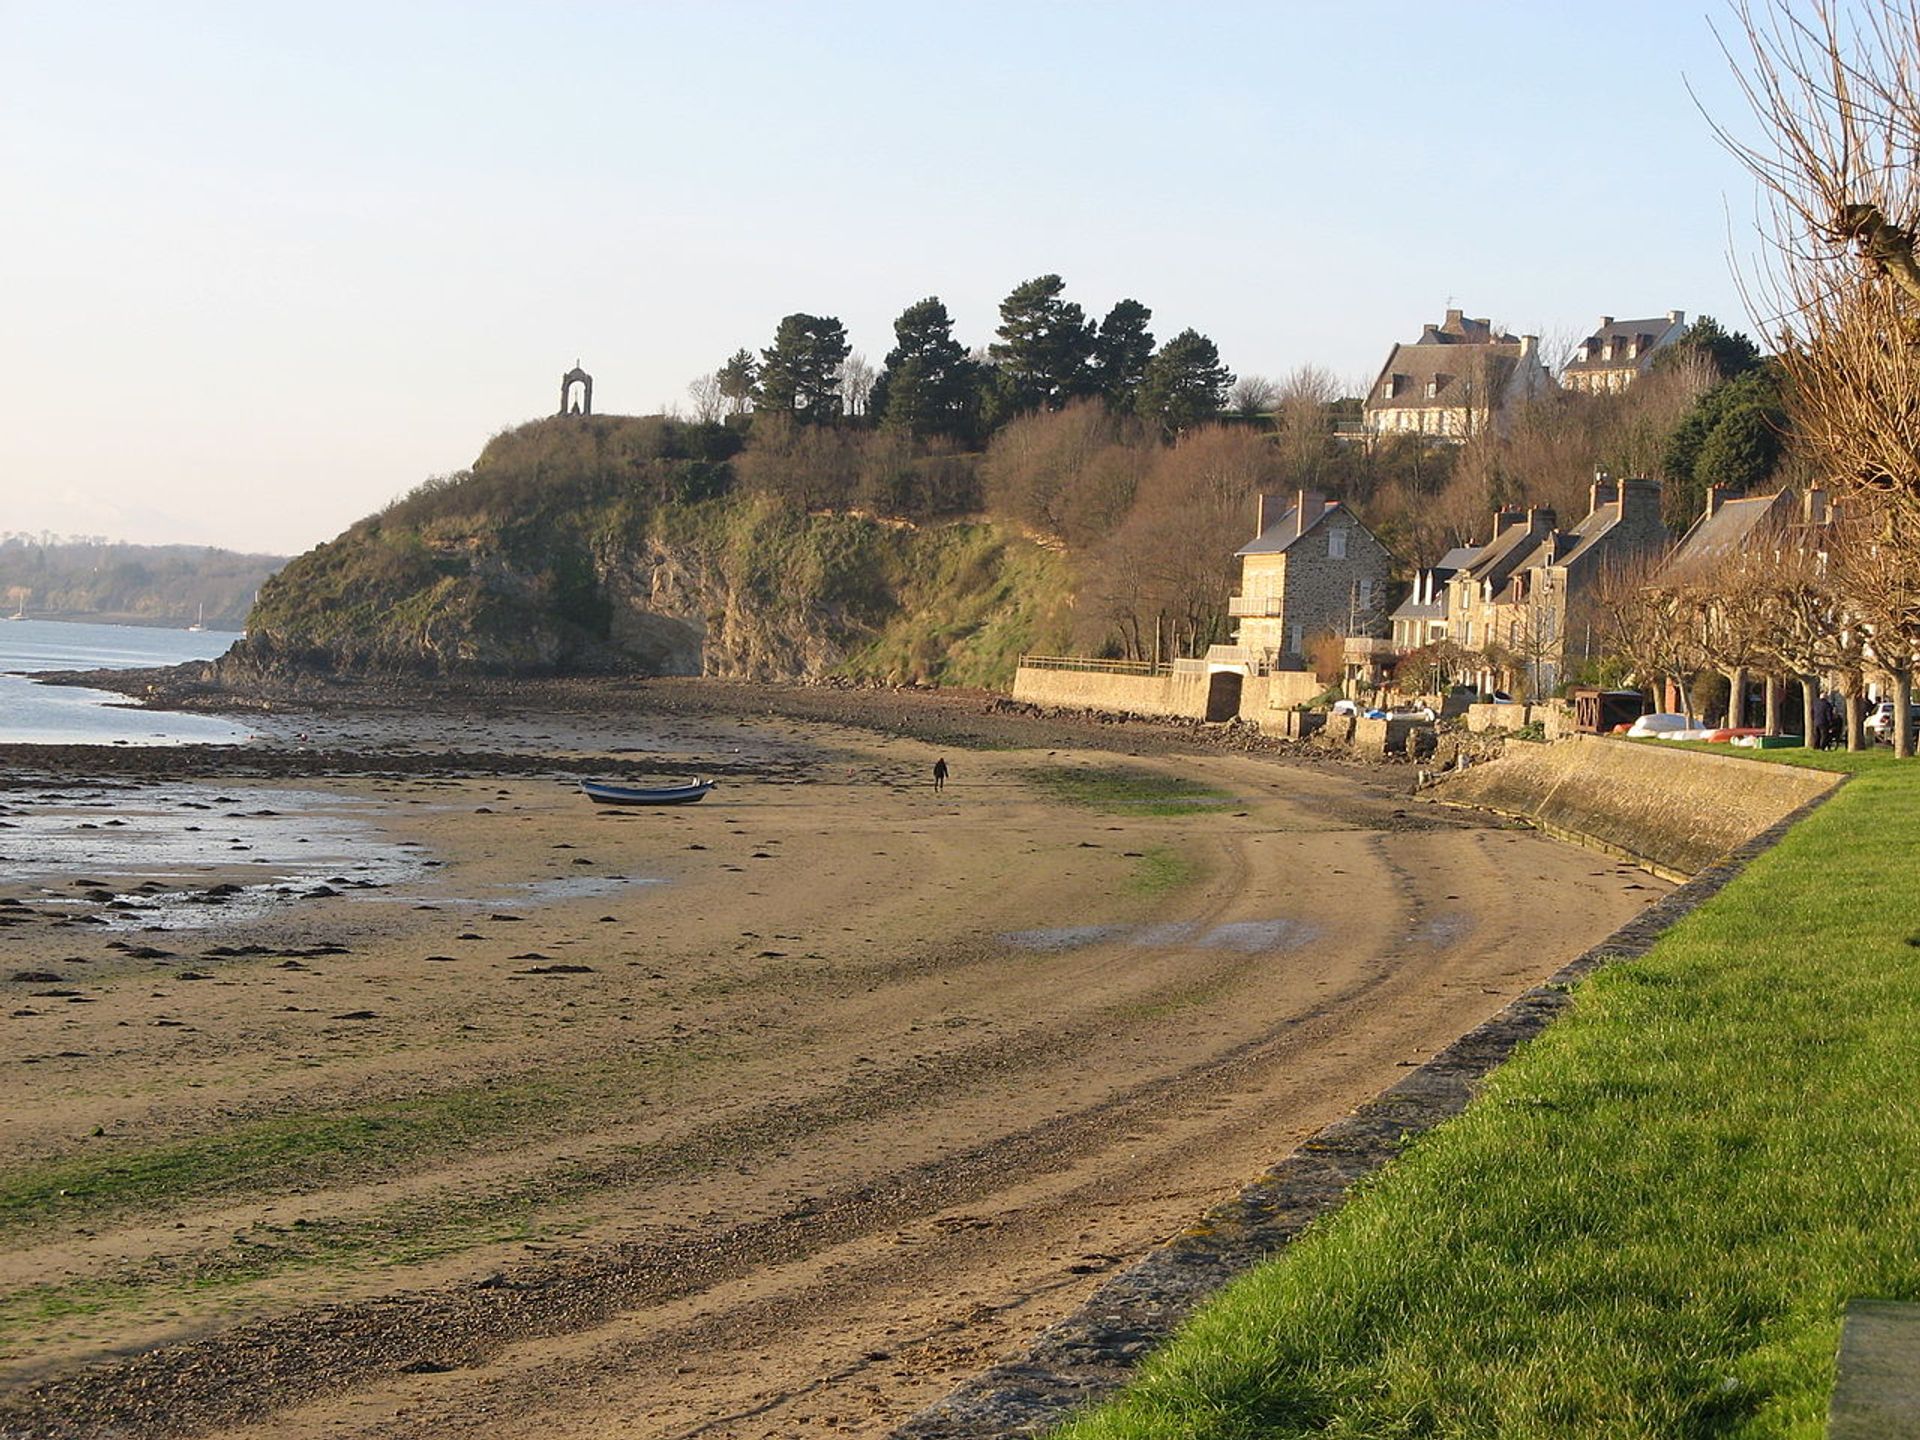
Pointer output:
x,y
939,774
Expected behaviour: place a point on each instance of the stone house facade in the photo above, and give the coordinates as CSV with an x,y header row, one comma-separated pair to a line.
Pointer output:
x,y
1620,352
1421,618
1459,378
1311,569
1521,601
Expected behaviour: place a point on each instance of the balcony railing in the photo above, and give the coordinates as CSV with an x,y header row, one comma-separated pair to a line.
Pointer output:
x,y
1257,607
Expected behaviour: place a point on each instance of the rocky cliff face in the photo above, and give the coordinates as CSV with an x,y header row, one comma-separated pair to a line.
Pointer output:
x,y
596,559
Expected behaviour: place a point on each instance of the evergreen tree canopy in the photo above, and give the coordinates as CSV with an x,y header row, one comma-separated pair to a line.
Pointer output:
x,y
1734,437
1045,349
1185,383
800,374
1730,353
1122,348
737,378
927,385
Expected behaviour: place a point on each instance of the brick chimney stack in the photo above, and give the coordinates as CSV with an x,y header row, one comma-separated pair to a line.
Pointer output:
x,y
1714,497
1605,491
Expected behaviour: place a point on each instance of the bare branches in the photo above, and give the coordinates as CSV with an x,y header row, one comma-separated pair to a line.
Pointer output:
x,y
1837,98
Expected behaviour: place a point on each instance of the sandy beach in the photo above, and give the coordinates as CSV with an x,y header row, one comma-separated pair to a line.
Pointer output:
x,y
408,1094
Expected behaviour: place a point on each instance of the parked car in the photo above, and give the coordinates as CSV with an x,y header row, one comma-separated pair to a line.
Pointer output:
x,y
1880,722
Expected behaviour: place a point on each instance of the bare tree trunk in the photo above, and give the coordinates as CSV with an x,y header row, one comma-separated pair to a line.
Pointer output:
x,y
1856,721
1737,696
1809,696
1902,714
1774,697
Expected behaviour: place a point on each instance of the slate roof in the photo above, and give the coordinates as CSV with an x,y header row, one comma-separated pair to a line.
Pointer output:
x,y
1729,530
1280,536
1412,609
1623,332
1458,367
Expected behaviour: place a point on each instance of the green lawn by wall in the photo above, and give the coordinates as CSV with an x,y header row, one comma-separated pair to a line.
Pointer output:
x,y
1648,1222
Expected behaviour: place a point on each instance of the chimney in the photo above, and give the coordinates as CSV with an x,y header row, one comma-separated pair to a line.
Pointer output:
x,y
1605,320
1504,519
1676,317
1307,509
1429,334
1640,499
1713,501
1267,510
1528,344
1605,491
1453,319
1541,520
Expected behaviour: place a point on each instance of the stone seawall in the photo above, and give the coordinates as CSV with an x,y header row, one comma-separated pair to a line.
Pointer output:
x,y
1129,694
1675,810
1184,694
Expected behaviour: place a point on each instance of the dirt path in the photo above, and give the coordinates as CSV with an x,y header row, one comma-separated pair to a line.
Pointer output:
x,y
771,1116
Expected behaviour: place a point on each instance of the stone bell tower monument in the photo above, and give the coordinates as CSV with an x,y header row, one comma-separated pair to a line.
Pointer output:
x,y
584,404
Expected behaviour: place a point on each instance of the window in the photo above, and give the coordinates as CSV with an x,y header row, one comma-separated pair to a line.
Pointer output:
x,y
1295,637
1337,543
1366,594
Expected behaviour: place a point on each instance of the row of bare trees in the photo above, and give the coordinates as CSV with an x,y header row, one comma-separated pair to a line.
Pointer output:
x,y
1833,605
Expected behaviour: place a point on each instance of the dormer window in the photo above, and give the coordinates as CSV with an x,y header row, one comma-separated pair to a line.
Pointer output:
x,y
1395,384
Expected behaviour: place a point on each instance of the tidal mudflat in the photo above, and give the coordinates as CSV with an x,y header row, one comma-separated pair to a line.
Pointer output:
x,y
773,1115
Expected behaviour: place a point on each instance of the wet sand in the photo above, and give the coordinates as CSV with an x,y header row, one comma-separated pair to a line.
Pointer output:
x,y
774,1115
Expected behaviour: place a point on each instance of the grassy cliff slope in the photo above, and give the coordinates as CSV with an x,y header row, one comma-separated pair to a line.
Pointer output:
x,y
620,544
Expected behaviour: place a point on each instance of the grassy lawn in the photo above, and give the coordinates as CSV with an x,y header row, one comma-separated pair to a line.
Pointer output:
x,y
1648,1222
1124,790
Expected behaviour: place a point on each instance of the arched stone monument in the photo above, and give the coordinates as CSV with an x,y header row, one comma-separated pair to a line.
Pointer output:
x,y
573,377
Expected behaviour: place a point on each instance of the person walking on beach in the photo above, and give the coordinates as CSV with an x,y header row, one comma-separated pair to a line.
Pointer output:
x,y
939,774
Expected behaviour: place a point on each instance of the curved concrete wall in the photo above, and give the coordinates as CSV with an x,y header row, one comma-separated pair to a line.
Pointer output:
x,y
1680,810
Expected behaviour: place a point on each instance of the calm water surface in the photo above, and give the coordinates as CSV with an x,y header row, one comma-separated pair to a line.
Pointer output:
x,y
60,715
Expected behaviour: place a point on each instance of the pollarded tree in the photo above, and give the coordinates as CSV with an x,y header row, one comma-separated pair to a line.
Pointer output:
x,y
927,386
1045,351
800,374
1836,91
1185,384
1122,350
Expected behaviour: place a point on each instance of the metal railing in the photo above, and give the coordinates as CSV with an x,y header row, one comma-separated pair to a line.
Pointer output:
x,y
1095,666
1262,607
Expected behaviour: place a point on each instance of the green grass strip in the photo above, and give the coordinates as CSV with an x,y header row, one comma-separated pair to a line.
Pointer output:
x,y
312,1146
1124,790
1648,1222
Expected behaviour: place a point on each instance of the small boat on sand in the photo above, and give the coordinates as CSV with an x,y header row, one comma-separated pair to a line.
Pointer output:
x,y
656,795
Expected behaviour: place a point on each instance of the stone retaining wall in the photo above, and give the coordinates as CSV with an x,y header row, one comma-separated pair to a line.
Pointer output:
x,y
1182,694
1676,810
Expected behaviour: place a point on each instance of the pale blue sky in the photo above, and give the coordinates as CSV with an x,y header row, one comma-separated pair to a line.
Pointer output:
x,y
267,266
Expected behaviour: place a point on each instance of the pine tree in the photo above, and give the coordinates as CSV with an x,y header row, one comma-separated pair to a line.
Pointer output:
x,y
1045,349
1122,348
927,386
1185,383
800,374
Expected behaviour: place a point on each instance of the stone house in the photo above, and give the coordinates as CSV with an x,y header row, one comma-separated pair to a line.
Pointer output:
x,y
1620,352
1421,618
1521,601
1311,569
1458,378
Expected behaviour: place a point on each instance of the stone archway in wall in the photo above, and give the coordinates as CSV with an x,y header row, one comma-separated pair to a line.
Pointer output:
x,y
1223,694
576,392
